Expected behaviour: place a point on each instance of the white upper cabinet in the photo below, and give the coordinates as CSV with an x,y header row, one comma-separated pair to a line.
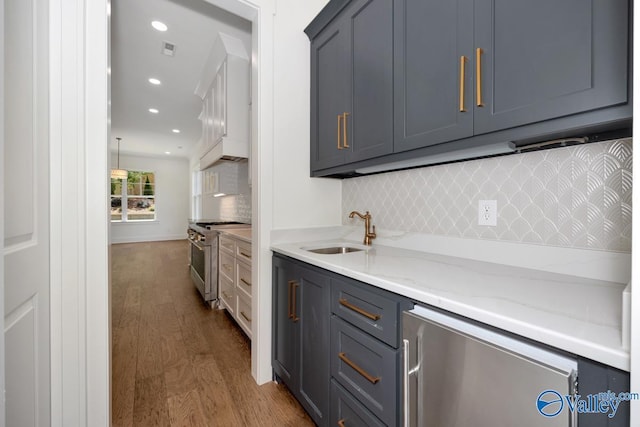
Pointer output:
x,y
224,89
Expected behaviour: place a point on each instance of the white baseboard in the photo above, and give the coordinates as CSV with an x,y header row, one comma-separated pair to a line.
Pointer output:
x,y
138,239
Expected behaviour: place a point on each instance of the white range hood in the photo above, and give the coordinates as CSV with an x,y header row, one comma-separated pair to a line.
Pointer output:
x,y
226,149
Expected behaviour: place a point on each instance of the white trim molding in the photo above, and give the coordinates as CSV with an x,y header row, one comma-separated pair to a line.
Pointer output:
x,y
79,214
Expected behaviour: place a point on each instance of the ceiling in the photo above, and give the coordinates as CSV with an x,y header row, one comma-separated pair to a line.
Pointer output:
x,y
136,56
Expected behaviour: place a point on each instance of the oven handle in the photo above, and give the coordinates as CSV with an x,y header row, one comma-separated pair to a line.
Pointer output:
x,y
200,248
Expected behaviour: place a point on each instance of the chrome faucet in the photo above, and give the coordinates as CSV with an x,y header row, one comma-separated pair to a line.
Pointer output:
x,y
368,235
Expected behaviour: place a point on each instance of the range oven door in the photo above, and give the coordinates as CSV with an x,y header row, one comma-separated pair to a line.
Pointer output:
x,y
200,267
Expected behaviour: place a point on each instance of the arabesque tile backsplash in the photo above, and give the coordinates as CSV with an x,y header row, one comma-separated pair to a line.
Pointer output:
x,y
577,196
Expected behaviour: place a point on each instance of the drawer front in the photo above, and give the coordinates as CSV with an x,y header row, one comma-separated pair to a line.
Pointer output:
x,y
347,411
243,314
228,294
227,266
227,244
243,272
375,314
243,251
366,368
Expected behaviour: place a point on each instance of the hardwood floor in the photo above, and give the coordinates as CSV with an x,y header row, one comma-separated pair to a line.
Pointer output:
x,y
177,362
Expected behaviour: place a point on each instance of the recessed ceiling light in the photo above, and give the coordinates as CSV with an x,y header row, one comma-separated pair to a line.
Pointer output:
x,y
167,152
153,110
160,26
175,130
154,81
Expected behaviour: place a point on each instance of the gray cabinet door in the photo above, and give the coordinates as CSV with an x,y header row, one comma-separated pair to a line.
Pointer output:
x,y
430,39
312,308
549,58
352,86
284,328
369,124
328,95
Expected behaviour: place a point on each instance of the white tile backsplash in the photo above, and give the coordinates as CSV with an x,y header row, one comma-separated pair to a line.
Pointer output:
x,y
576,197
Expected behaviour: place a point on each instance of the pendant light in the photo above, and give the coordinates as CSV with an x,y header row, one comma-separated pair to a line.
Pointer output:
x,y
118,173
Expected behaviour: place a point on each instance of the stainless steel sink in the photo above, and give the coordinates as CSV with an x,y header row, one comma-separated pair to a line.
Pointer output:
x,y
335,250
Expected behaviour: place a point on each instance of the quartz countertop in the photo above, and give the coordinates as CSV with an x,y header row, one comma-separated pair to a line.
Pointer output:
x,y
239,233
576,314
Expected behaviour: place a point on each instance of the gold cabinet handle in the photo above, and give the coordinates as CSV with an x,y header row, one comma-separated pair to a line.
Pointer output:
x,y
227,267
339,134
243,254
463,61
226,295
341,423
294,317
479,102
345,140
290,311
358,369
245,316
358,310
245,282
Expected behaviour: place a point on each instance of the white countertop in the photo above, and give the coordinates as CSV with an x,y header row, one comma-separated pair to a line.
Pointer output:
x,y
576,314
238,233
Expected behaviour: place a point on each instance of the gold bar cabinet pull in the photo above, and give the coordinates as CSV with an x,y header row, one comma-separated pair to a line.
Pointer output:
x,y
290,283
345,303
294,317
463,60
358,369
245,282
339,134
345,140
479,102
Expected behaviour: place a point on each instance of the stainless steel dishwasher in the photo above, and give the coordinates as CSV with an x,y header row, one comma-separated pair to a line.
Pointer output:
x,y
459,374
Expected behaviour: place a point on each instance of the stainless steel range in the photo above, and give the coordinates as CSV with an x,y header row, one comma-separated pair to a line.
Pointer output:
x,y
203,255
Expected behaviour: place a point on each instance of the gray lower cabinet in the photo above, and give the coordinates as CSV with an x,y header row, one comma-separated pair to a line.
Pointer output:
x,y
301,334
352,86
336,345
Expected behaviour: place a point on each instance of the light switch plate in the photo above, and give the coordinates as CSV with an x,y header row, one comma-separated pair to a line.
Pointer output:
x,y
488,212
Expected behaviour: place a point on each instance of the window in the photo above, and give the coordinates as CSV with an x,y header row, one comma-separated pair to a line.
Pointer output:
x,y
134,198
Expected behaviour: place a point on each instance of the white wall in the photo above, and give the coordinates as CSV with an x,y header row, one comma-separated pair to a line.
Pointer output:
x,y
172,201
298,200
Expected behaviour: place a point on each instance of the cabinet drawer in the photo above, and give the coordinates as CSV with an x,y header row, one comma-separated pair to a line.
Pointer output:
x,y
227,266
243,314
345,409
228,294
243,251
370,311
243,272
366,368
227,244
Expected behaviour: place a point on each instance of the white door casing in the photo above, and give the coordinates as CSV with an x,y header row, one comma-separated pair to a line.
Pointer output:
x,y
26,212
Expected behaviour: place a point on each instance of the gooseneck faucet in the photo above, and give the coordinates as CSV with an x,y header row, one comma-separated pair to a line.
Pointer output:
x,y
368,235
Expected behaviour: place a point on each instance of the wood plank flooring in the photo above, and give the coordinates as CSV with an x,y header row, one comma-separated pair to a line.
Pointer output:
x,y
175,361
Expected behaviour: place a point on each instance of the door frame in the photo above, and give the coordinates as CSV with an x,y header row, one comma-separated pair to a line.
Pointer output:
x,y
80,228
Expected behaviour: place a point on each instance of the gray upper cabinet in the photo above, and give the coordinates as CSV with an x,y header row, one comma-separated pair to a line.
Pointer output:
x,y
548,58
352,85
394,80
467,68
433,72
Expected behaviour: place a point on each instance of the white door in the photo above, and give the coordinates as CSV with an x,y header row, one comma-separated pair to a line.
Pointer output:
x,y
25,146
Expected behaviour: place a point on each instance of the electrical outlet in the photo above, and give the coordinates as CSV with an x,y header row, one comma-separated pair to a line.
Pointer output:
x,y
488,212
